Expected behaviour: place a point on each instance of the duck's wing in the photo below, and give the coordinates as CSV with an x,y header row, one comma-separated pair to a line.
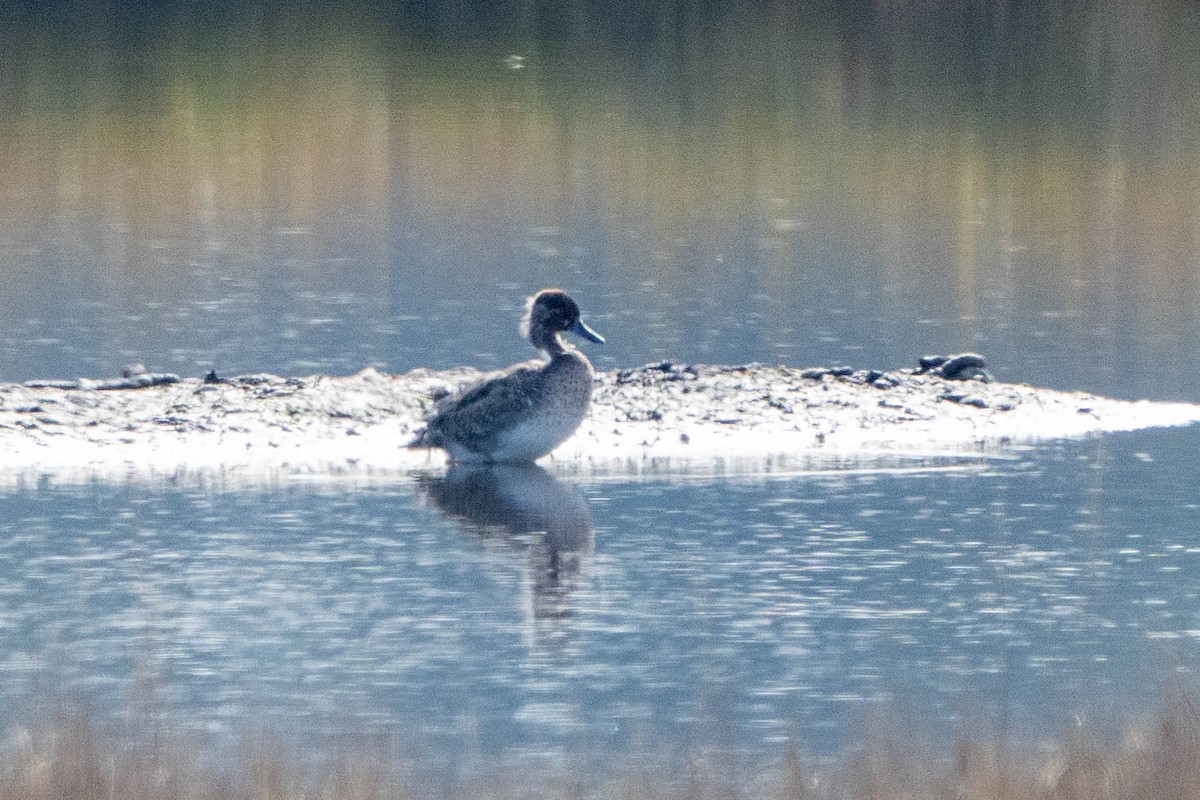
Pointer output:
x,y
476,416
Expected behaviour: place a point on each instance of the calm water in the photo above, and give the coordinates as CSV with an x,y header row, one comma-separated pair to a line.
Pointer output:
x,y
251,188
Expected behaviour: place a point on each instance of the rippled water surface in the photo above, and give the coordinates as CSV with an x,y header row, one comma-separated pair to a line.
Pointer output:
x,y
266,187
309,188
513,617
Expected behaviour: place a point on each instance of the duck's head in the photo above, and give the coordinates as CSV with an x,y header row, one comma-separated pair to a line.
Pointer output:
x,y
551,312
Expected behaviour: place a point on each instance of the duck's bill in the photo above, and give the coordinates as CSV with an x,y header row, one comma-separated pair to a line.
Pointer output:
x,y
579,329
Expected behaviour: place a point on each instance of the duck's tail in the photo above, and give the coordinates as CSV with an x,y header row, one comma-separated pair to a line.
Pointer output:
x,y
423,440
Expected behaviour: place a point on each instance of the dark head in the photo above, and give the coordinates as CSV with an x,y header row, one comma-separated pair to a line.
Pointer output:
x,y
549,313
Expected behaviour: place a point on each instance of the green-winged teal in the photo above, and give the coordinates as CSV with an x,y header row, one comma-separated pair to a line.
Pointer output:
x,y
529,409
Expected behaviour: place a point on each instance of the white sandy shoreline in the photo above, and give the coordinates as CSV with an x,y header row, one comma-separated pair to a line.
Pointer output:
x,y
656,418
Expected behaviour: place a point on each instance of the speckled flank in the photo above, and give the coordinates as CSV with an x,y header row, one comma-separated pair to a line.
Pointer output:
x,y
528,410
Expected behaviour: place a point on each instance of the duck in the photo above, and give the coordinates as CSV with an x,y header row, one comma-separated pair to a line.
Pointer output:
x,y
527,410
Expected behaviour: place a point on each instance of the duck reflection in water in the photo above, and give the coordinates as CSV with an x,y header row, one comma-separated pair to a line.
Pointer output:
x,y
524,507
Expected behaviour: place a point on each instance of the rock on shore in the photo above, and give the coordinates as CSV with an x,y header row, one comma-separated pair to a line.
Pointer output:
x,y
657,414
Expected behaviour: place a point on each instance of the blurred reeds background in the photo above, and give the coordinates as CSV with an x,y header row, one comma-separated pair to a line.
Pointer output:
x,y
71,759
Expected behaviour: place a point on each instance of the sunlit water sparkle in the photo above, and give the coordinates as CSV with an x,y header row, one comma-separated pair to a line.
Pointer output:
x,y
303,188
736,614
